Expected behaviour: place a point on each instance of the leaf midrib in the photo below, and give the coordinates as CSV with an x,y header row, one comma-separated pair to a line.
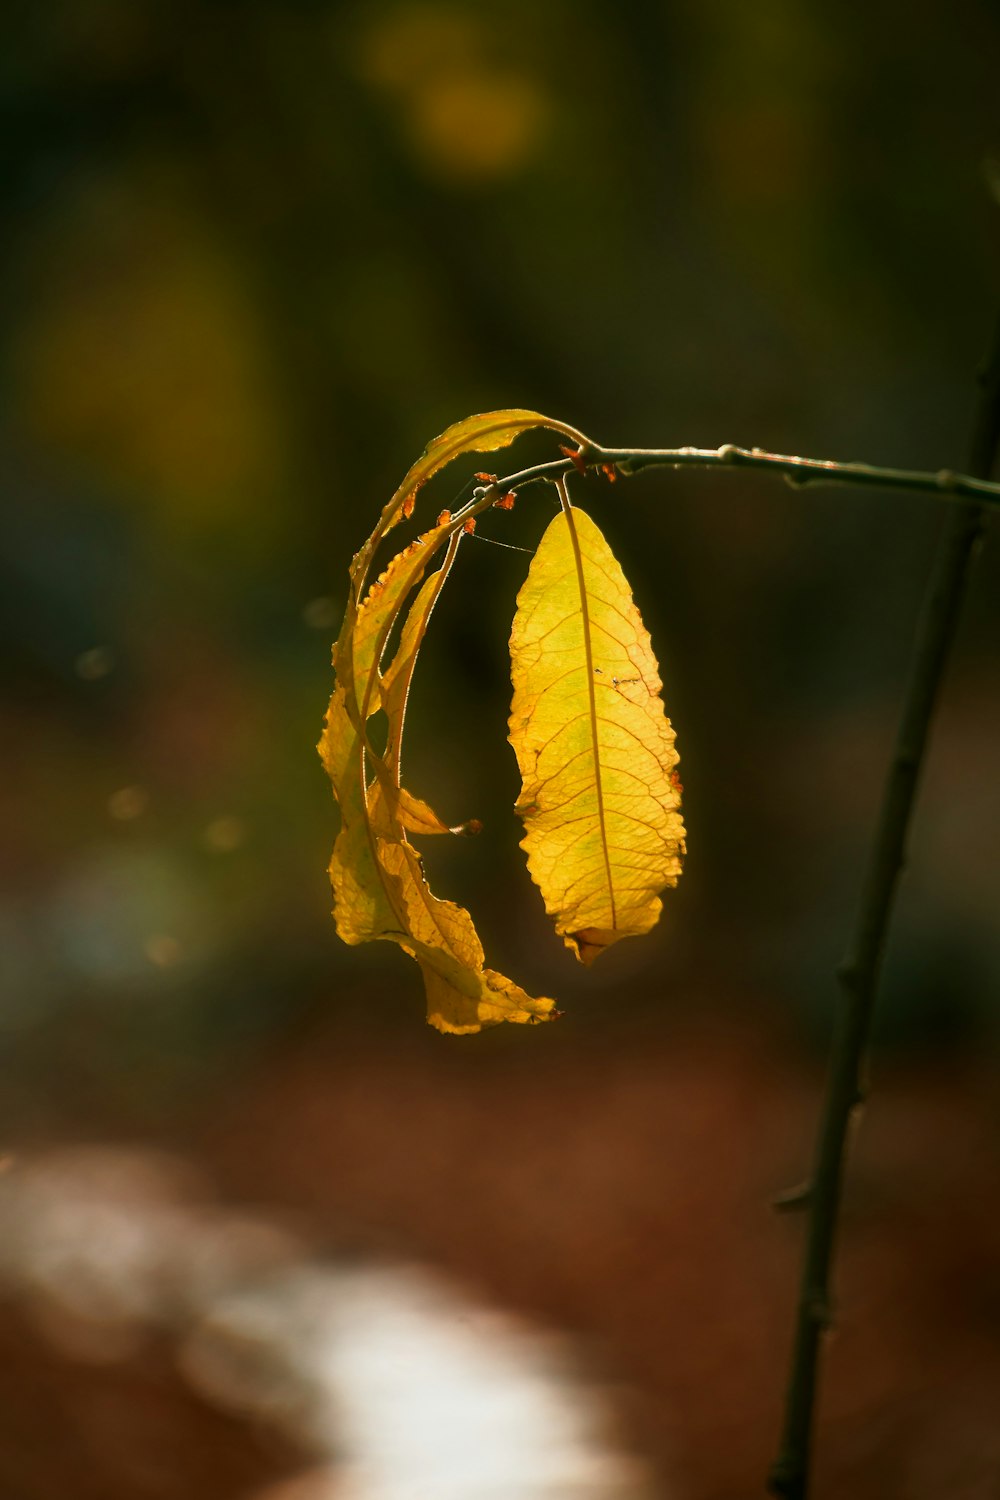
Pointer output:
x,y
592,697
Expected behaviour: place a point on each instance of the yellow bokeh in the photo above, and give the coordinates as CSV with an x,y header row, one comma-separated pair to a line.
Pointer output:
x,y
140,360
468,114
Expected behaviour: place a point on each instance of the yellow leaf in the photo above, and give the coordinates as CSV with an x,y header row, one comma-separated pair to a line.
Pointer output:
x,y
600,798
365,906
462,995
358,652
397,677
415,815
377,876
498,999
367,626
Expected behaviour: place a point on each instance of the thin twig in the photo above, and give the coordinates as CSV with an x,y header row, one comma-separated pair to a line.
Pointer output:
x,y
859,973
799,472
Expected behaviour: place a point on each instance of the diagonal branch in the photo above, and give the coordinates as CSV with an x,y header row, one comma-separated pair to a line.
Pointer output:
x,y
859,973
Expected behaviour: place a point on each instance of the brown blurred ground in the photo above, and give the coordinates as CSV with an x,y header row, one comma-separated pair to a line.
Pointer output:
x,y
625,1194
123,1428
619,1191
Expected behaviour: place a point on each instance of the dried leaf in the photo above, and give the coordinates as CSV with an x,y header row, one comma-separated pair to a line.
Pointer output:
x,y
377,876
462,995
600,800
397,677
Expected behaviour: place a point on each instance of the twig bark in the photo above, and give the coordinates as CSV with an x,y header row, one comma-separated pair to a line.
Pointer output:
x,y
859,973
799,472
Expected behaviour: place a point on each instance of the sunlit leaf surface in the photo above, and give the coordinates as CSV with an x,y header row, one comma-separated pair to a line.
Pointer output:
x,y
600,798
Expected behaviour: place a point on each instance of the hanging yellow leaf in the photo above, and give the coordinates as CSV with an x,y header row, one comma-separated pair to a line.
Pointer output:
x,y
363,904
398,676
600,798
377,876
415,815
462,995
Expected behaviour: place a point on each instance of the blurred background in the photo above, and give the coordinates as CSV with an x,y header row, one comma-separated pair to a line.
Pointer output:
x,y
255,255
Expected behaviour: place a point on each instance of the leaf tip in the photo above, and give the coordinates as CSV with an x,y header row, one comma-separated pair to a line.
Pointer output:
x,y
590,942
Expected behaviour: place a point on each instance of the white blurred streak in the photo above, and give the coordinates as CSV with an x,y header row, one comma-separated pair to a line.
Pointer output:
x,y
399,1384
429,1396
116,1237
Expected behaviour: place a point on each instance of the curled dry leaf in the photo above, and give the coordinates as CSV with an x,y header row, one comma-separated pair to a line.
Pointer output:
x,y
378,881
600,798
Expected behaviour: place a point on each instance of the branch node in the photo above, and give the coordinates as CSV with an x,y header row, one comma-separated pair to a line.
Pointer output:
x,y
794,1199
819,1310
